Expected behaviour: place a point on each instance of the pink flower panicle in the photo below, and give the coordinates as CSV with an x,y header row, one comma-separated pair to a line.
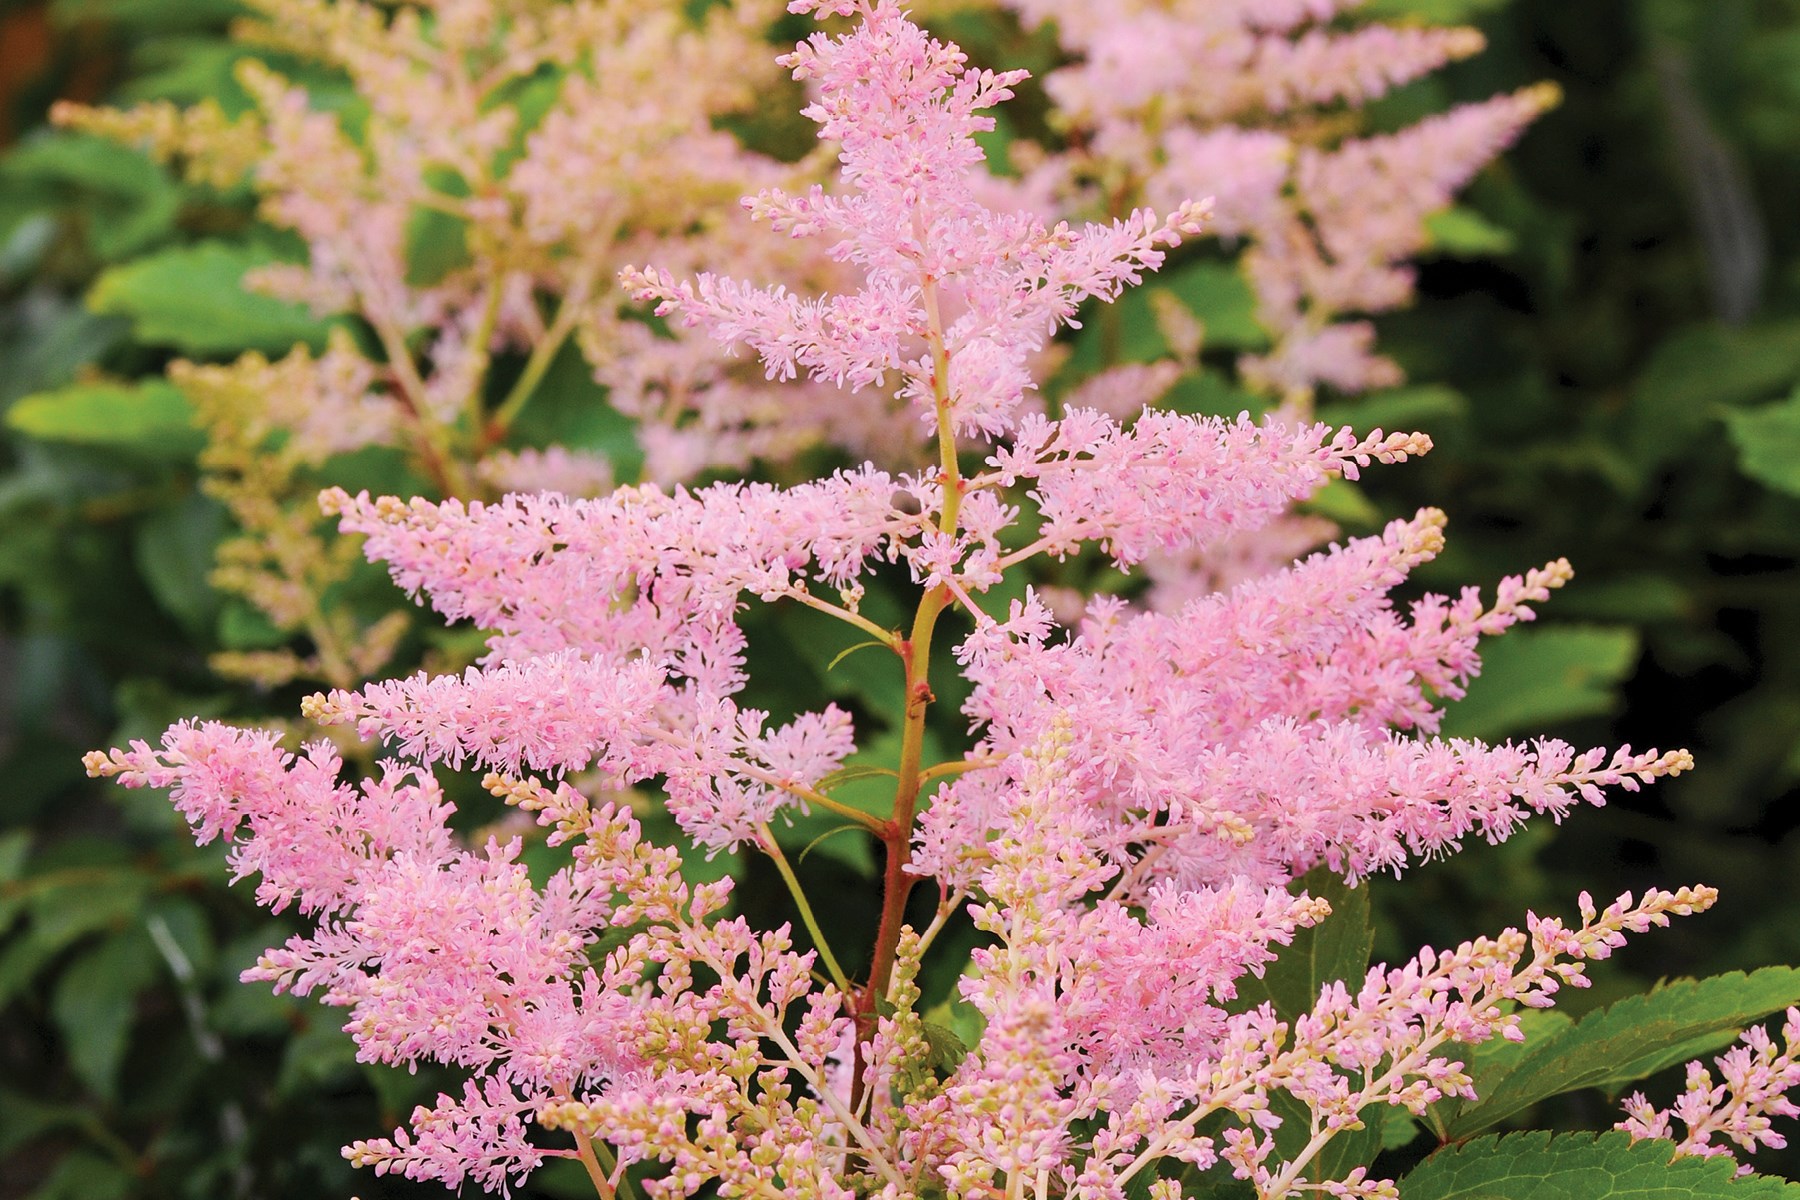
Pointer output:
x,y
955,296
1143,789
1197,96
1098,1016
1752,1086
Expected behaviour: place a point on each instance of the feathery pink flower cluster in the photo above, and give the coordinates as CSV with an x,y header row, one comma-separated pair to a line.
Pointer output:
x,y
1168,100
1142,790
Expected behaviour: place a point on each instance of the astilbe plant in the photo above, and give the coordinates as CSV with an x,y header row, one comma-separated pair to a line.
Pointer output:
x,y
1141,791
463,214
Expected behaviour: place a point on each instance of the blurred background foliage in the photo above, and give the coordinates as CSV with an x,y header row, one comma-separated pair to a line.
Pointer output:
x,y
1606,349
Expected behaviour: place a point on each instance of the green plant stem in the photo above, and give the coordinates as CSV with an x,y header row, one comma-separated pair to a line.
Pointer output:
x,y
876,633
480,341
433,446
949,770
767,844
542,355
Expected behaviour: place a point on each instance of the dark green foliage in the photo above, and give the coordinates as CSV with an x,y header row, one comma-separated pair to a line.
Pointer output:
x,y
1538,1166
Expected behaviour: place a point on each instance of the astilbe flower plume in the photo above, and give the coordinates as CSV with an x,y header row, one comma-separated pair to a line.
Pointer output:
x,y
506,166
1141,791
1248,100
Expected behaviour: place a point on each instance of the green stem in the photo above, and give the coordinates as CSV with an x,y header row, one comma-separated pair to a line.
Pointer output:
x,y
479,343
949,770
876,633
542,355
766,842
433,447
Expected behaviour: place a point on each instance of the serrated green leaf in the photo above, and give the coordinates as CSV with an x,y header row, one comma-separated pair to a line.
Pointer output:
x,y
93,1005
1533,678
1581,1166
1768,443
947,1050
1494,1059
153,417
958,1018
1638,1036
1335,949
192,298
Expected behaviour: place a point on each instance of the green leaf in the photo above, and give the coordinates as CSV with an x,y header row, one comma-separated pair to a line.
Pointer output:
x,y
1768,443
125,202
1344,502
51,344
1464,233
1494,1059
152,417
192,298
1532,678
1421,406
1220,297
1214,292
174,550
1581,1166
437,243
15,848
1695,372
947,1050
1638,1036
1436,12
1335,949
93,1005
86,1176
150,14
